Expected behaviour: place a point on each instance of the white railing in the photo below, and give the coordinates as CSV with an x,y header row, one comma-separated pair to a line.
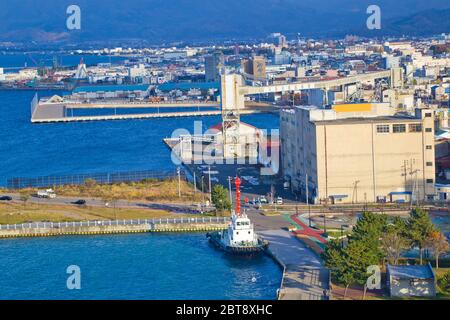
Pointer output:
x,y
131,222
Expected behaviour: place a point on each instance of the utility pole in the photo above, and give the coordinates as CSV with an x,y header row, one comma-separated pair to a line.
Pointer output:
x,y
355,192
307,200
209,178
195,185
365,201
404,174
179,182
229,189
203,190
416,171
415,189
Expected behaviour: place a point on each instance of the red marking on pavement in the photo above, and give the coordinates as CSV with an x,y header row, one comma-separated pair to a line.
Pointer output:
x,y
307,231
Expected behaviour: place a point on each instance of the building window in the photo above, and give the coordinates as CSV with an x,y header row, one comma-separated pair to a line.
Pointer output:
x,y
428,129
429,164
429,147
398,128
428,115
430,180
383,128
415,127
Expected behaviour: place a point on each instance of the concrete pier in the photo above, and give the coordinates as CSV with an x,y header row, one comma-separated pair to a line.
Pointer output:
x,y
304,276
57,113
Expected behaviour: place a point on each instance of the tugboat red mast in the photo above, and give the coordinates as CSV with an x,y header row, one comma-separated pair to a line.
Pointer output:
x,y
237,184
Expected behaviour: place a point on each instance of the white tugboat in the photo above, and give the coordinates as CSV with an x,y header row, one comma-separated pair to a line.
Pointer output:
x,y
239,237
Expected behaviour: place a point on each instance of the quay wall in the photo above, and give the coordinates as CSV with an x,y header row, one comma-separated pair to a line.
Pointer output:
x,y
58,229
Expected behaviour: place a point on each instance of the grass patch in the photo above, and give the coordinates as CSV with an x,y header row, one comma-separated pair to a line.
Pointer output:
x,y
272,213
336,234
441,271
11,213
149,189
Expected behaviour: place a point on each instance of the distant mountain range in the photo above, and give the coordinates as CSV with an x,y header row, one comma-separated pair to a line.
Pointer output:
x,y
175,20
423,23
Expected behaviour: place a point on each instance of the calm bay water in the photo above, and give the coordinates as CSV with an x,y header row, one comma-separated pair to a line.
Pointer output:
x,y
145,266
30,150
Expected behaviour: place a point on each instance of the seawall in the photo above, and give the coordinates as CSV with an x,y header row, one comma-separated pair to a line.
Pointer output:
x,y
45,229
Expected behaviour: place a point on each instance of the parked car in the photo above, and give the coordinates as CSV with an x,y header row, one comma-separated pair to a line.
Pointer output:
x,y
263,199
279,200
80,202
49,193
5,198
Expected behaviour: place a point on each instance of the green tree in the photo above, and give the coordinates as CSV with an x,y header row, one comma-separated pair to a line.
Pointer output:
x,y
333,256
219,197
420,228
349,265
400,226
369,225
335,260
358,257
368,230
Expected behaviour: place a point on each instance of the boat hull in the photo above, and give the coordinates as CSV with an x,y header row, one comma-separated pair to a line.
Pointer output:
x,y
214,238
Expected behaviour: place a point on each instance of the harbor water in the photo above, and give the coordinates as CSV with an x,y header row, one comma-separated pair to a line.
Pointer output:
x,y
137,266
31,150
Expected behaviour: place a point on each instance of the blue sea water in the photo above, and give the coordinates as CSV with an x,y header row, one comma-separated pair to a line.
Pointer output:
x,y
31,150
145,266
138,266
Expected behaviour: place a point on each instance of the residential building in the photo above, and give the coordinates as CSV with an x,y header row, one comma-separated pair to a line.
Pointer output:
x,y
255,67
213,63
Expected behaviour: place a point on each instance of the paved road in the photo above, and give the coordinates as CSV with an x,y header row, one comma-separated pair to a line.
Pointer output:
x,y
95,202
262,222
305,277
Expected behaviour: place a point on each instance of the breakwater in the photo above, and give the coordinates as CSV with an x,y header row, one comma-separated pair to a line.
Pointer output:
x,y
44,229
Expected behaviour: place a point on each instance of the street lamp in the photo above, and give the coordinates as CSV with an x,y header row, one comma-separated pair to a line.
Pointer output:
x,y
179,182
203,191
342,233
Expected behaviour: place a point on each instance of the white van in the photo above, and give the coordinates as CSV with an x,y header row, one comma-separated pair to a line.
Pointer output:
x,y
49,194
